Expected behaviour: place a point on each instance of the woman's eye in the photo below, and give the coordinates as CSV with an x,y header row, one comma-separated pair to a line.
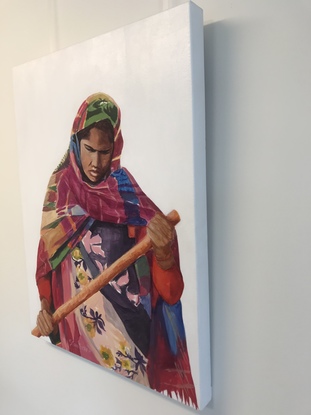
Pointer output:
x,y
89,149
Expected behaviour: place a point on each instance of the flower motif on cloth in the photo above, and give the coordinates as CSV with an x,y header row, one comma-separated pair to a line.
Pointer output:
x,y
93,321
92,244
107,356
82,277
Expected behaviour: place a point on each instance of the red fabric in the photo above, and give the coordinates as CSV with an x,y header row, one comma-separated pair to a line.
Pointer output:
x,y
171,374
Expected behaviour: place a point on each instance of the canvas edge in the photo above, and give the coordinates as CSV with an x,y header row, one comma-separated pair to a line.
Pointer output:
x,y
200,206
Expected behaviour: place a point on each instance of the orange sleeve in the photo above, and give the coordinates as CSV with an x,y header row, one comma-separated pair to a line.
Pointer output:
x,y
44,288
168,283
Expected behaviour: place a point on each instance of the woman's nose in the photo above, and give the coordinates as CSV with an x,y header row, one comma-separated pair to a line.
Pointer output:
x,y
95,159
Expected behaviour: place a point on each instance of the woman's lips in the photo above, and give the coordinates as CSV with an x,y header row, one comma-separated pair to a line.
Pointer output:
x,y
94,173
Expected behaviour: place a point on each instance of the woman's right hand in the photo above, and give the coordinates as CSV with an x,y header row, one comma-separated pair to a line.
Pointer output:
x,y
45,319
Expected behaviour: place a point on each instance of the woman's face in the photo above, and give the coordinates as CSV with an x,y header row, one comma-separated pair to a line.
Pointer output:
x,y
96,153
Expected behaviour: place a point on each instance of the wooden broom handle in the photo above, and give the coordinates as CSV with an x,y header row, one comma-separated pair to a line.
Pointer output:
x,y
107,275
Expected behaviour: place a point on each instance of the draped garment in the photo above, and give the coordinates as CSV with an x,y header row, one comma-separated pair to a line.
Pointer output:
x,y
134,325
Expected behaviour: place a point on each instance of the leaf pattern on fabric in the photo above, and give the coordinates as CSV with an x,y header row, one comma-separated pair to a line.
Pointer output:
x,y
123,362
82,277
93,321
131,364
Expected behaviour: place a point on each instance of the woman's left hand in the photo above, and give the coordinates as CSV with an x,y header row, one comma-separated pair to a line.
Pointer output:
x,y
161,233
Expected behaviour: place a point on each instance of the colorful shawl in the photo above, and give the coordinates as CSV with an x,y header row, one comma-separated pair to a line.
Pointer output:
x,y
70,208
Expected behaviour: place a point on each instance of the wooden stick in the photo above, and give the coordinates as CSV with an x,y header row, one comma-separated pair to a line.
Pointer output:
x,y
107,275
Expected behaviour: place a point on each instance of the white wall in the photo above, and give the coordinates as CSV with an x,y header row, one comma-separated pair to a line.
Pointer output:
x,y
258,89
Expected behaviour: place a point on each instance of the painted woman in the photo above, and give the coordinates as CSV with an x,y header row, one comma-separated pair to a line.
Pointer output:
x,y
94,212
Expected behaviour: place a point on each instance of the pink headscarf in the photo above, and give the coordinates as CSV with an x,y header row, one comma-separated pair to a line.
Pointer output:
x,y
71,205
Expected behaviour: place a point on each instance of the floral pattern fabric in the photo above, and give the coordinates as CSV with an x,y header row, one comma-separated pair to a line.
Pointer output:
x,y
97,320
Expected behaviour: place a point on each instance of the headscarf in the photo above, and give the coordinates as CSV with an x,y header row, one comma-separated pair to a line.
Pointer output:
x,y
95,108
72,205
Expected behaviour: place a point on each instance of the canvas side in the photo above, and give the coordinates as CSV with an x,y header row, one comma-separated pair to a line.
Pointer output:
x,y
200,207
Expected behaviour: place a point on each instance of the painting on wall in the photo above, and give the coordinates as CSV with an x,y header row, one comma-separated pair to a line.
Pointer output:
x,y
117,254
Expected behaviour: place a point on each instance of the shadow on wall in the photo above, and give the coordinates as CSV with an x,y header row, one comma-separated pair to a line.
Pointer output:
x,y
218,49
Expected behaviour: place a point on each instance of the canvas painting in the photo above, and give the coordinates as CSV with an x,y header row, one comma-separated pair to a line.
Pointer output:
x,y
112,160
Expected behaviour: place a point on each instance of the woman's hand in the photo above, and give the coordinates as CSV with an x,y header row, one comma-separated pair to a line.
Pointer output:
x,y
161,233
45,320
